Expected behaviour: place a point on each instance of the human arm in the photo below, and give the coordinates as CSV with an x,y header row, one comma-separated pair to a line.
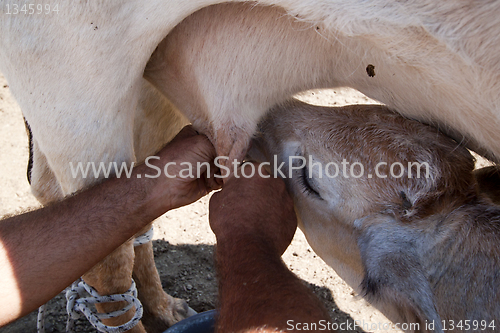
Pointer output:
x,y
254,222
43,251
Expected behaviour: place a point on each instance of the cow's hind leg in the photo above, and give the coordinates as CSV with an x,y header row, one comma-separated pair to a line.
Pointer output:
x,y
112,276
160,309
156,123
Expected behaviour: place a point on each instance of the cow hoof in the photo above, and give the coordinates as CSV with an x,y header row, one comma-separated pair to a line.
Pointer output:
x,y
176,309
180,310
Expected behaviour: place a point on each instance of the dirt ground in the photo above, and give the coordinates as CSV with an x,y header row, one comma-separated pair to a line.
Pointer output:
x,y
183,240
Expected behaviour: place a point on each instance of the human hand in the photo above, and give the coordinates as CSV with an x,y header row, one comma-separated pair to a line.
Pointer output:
x,y
253,208
171,184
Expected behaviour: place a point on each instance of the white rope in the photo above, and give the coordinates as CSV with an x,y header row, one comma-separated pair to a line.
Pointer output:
x,y
82,298
40,320
144,238
77,303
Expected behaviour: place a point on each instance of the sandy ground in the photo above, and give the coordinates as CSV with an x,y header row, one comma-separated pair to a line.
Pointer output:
x,y
183,240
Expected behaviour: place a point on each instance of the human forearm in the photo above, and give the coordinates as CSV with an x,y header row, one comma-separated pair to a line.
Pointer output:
x,y
257,290
45,250
254,222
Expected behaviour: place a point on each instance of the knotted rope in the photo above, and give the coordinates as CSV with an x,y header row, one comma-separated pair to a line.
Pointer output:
x,y
77,302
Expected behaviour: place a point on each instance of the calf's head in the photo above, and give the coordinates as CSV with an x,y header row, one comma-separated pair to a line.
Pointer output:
x,y
347,162
367,184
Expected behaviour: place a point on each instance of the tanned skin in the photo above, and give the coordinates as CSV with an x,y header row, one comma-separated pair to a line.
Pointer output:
x,y
254,222
44,251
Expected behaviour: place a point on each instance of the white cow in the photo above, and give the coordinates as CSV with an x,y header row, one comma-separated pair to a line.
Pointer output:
x,y
78,73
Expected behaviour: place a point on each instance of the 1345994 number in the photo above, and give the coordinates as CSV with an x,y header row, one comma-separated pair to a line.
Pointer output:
x,y
31,9
466,325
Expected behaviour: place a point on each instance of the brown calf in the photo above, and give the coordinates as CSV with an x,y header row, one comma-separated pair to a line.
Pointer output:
x,y
411,231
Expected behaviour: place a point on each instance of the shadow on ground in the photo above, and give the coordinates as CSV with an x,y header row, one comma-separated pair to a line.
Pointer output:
x,y
187,271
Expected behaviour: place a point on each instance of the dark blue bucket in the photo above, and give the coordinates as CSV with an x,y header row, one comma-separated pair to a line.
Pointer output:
x,y
203,322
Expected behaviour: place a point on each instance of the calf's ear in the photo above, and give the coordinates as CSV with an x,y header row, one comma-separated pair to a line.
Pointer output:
x,y
393,273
